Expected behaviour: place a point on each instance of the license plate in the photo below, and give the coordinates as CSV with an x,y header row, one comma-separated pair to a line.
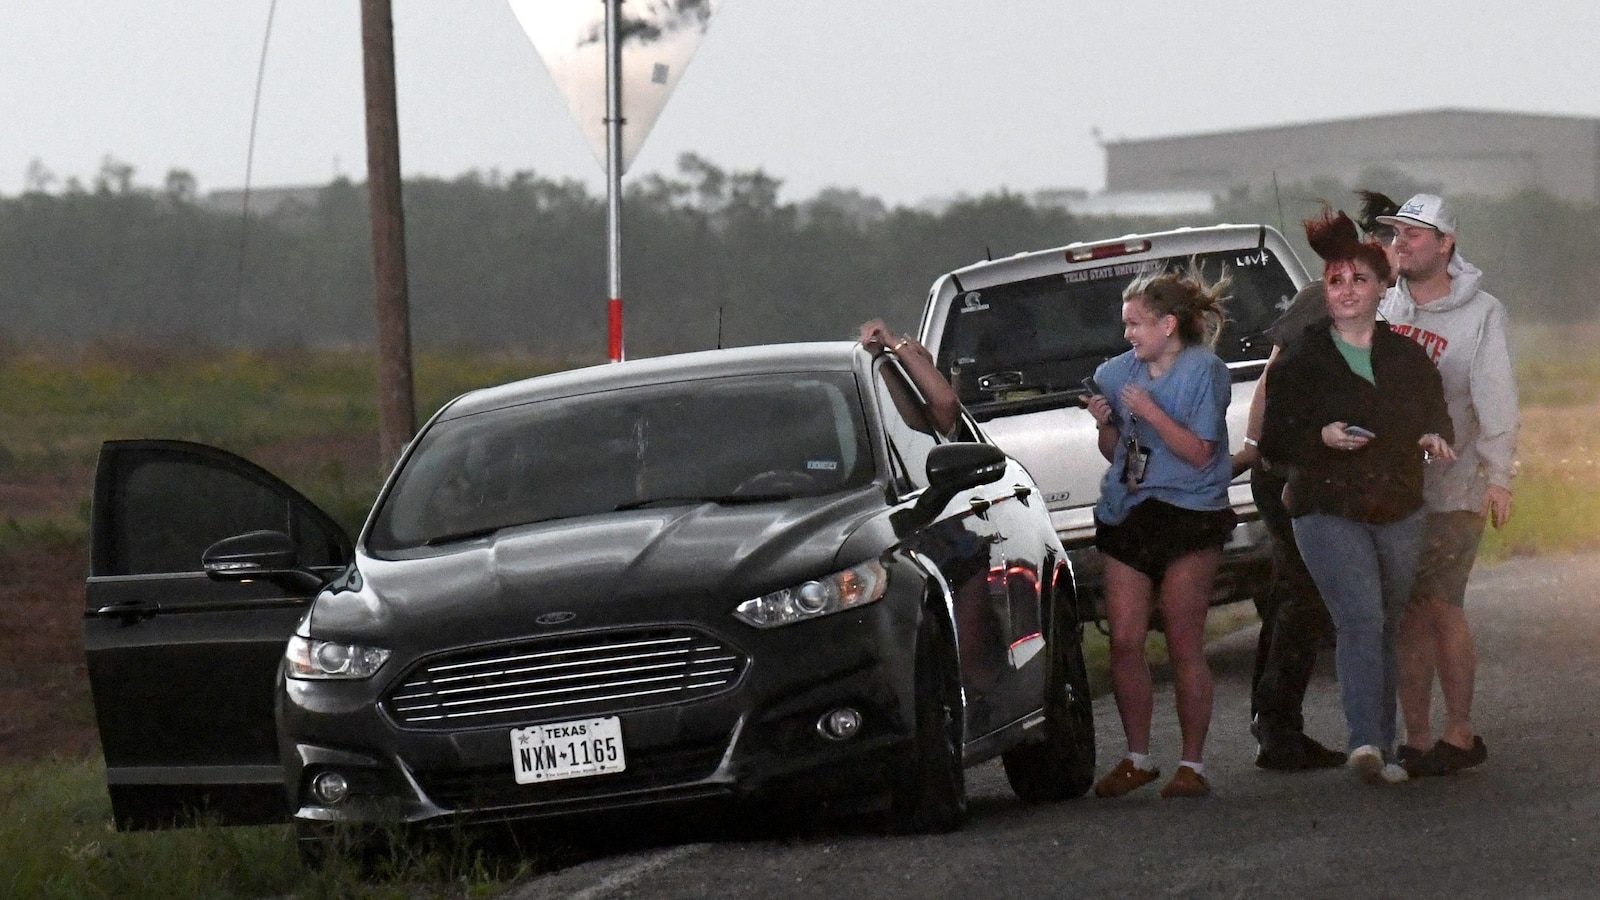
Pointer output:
x,y
567,750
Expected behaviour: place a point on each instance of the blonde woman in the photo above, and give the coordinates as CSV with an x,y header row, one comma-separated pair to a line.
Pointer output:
x,y
1163,515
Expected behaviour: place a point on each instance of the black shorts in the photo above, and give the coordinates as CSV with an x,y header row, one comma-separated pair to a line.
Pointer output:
x,y
1156,533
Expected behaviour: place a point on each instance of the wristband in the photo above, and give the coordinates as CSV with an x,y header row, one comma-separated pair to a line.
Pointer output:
x,y
897,347
1251,442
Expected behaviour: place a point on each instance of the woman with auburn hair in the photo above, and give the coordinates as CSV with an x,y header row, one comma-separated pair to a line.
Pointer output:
x,y
1163,515
1354,410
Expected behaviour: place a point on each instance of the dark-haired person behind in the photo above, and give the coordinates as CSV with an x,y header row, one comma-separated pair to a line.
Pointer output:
x,y
1294,620
1351,410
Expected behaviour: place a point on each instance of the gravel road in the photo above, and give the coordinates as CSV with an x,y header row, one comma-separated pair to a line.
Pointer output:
x,y
1526,824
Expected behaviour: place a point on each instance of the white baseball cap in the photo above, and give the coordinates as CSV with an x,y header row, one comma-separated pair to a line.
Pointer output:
x,y
1427,210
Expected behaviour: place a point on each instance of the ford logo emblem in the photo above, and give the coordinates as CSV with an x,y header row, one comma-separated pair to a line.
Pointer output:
x,y
555,618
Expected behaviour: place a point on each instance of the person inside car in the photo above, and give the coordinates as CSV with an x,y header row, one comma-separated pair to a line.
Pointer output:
x,y
942,403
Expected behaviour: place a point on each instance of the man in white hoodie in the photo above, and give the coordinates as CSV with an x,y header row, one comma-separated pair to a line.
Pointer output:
x,y
1438,304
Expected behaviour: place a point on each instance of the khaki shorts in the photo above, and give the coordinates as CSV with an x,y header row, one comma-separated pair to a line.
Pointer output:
x,y
1449,548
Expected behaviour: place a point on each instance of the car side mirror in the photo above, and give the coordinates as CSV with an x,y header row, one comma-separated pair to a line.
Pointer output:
x,y
951,469
264,555
956,467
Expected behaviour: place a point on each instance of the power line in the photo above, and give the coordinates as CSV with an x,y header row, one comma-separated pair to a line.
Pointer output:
x,y
249,166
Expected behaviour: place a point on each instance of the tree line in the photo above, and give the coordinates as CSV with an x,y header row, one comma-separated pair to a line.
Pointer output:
x,y
709,256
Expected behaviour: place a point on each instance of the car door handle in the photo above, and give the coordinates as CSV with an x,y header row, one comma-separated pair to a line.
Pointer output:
x,y
1019,492
133,609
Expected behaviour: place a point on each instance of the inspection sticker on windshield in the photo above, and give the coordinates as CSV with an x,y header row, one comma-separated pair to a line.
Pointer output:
x,y
567,750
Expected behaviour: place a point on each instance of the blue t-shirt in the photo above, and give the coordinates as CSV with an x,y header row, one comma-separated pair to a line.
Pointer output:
x,y
1195,393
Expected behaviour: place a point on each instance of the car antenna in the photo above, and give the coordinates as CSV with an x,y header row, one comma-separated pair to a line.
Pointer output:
x,y
719,327
988,254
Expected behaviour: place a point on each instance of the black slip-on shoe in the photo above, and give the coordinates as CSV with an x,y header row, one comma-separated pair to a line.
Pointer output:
x,y
1420,763
1454,758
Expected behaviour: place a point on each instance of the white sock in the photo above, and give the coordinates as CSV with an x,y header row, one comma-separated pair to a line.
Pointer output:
x,y
1141,761
1199,768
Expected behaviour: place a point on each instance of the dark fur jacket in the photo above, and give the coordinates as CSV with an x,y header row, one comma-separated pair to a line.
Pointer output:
x,y
1310,385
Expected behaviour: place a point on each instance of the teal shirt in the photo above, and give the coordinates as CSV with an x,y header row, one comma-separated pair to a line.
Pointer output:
x,y
1359,359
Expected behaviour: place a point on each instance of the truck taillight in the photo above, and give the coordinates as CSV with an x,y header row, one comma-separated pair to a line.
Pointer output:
x,y
1106,251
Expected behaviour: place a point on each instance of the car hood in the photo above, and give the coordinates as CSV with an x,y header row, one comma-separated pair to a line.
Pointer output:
x,y
659,565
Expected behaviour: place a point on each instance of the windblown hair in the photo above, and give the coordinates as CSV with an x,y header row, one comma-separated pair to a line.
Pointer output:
x,y
1373,205
1334,238
1199,307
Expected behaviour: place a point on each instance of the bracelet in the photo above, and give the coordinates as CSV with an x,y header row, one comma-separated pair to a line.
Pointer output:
x,y
1251,442
897,347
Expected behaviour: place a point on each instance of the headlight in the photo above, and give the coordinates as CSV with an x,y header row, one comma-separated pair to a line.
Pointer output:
x,y
855,586
309,658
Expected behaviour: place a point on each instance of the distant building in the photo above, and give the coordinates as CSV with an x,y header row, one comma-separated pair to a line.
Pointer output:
x,y
1126,203
1466,152
1080,202
267,201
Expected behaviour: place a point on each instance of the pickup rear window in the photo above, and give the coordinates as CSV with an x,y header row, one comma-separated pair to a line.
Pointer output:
x,y
1029,339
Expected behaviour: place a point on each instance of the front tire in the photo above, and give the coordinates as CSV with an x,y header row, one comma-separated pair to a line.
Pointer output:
x,y
930,791
1061,766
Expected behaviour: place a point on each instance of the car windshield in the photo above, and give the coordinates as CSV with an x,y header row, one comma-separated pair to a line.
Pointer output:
x,y
736,439
1044,335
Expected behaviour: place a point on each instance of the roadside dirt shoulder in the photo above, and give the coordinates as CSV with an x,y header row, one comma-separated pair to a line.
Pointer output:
x,y
44,686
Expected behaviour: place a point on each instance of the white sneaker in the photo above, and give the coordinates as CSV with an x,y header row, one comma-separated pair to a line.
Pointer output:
x,y
1367,761
1394,774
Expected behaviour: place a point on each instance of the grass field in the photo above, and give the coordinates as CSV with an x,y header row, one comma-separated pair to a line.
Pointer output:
x,y
310,417
57,842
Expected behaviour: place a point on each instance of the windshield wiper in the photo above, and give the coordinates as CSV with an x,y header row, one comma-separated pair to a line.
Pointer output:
x,y
724,500
461,536
660,501
485,532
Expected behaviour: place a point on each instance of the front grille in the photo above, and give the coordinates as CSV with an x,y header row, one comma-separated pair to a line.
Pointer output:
x,y
561,678
496,786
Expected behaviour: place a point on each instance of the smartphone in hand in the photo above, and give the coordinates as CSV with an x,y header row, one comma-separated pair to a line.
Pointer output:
x,y
1093,389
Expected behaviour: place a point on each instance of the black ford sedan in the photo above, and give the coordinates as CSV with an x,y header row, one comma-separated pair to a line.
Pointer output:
x,y
738,574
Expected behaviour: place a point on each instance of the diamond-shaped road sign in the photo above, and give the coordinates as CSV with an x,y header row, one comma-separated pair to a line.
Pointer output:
x,y
658,38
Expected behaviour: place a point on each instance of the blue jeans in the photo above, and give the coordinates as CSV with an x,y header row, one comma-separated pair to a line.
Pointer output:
x,y
1364,573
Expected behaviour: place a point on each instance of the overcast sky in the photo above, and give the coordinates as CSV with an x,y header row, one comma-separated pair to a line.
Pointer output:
x,y
902,99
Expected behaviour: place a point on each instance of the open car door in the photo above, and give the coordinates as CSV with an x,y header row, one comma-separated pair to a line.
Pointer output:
x,y
184,668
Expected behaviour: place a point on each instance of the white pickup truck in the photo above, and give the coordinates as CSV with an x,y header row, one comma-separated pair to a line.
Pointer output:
x,y
1017,336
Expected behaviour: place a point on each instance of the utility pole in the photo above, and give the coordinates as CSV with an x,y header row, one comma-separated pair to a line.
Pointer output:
x,y
396,405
